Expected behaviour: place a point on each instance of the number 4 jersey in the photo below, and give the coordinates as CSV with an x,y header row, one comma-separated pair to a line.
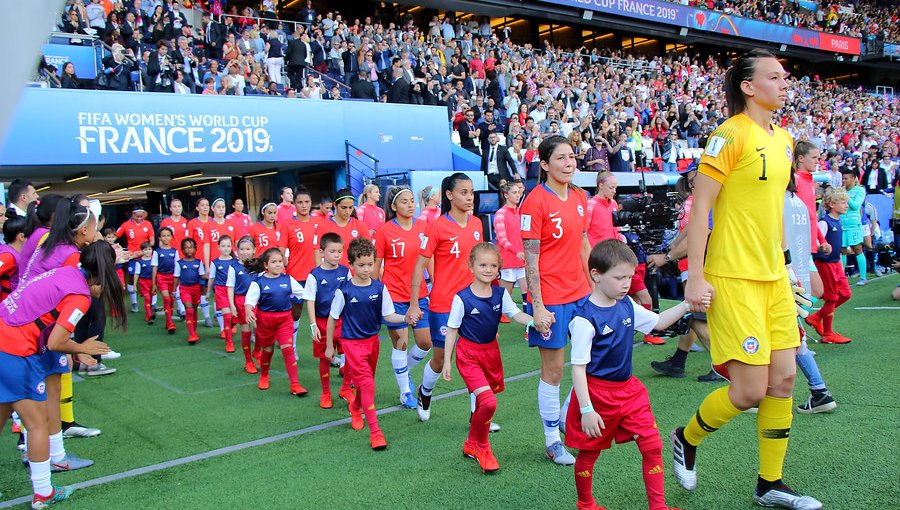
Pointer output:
x,y
450,245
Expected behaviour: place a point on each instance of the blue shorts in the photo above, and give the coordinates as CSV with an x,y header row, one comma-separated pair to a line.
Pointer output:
x,y
438,325
558,336
21,378
54,363
131,267
402,308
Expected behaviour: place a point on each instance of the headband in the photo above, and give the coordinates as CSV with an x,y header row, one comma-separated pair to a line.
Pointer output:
x,y
431,193
342,197
267,204
220,199
137,210
87,218
401,190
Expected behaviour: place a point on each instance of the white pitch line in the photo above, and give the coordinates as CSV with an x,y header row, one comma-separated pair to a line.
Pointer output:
x,y
877,308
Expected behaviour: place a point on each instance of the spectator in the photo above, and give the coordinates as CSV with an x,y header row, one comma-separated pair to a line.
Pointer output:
x,y
274,57
179,86
117,68
209,86
308,13
314,88
187,62
362,88
237,79
161,69
496,163
468,133
596,159
68,80
214,74
669,153
214,35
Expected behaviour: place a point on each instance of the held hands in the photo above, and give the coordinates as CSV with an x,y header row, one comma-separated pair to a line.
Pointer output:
x,y
445,372
329,352
413,314
656,260
826,248
592,424
251,318
698,294
543,319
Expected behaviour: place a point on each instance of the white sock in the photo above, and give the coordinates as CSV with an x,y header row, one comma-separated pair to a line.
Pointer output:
x,y
296,329
341,361
57,450
204,307
16,420
153,300
401,372
548,405
415,355
179,303
429,379
40,477
220,318
563,412
132,294
25,437
472,400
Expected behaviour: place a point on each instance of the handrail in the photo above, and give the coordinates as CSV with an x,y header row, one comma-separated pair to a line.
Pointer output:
x,y
364,153
66,35
329,78
260,19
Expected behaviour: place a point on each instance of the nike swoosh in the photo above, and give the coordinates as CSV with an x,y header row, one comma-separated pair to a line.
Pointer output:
x,y
396,240
454,238
760,149
553,214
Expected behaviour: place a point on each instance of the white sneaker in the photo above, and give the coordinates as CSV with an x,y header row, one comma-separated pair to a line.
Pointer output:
x,y
862,283
559,455
111,355
783,497
495,427
96,370
683,462
78,430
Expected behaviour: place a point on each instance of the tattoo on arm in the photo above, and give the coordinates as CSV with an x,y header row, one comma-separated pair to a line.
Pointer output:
x,y
532,277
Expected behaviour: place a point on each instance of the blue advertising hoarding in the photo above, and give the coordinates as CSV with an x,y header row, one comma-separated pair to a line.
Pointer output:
x,y
718,22
85,58
78,127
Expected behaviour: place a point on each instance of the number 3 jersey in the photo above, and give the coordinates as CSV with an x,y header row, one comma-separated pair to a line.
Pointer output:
x,y
753,168
449,244
400,250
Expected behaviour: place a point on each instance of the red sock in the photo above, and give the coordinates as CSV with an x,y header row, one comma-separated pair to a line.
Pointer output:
x,y
148,311
648,306
652,469
245,345
584,478
841,300
347,380
190,315
226,325
480,426
167,306
366,398
827,315
325,376
265,359
290,364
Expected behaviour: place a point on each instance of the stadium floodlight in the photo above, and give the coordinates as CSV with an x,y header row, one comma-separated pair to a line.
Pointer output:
x,y
588,15
77,177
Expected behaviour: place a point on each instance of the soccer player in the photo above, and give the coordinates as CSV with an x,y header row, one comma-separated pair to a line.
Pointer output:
x,y
344,223
297,239
323,208
851,221
188,273
609,402
238,283
834,279
164,282
272,292
144,276
286,210
57,300
197,232
136,232
239,219
217,227
10,255
474,319
265,234
318,293
430,204
218,284
368,211
752,320
508,235
448,243
554,230
397,246
362,303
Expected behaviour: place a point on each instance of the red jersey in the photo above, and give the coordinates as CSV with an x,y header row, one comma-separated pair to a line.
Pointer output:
x,y
429,214
352,230
179,230
450,245
600,224
299,239
371,215
136,233
508,235
400,250
197,232
285,212
264,237
23,340
8,268
241,224
214,231
560,226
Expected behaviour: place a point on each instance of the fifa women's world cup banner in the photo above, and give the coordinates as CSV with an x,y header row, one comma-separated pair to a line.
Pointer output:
x,y
718,22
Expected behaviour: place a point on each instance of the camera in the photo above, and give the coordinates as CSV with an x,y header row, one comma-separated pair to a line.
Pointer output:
x,y
649,216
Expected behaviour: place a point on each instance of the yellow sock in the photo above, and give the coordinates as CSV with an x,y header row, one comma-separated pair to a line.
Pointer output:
x,y
715,410
773,427
66,410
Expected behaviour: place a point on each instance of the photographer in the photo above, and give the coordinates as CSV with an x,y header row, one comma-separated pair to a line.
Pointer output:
x,y
186,62
117,69
161,69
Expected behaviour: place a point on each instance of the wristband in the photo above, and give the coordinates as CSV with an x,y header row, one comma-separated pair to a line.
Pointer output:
x,y
787,257
587,409
530,325
312,328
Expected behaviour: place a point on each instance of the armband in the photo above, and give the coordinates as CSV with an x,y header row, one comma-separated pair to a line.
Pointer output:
x,y
587,409
787,257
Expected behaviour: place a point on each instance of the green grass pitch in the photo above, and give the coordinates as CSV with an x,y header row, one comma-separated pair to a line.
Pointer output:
x,y
169,401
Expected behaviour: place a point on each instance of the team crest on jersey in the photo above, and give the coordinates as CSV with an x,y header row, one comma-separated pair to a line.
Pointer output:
x,y
626,321
41,388
63,361
789,153
580,210
496,308
443,330
354,232
750,345
546,336
373,297
477,236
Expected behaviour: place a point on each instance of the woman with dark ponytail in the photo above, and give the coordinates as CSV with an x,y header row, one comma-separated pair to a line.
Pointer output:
x,y
752,318
11,253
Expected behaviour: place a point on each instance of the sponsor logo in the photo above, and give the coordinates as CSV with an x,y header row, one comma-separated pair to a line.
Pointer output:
x,y
554,214
714,146
525,223
626,321
606,330
496,308
373,297
750,345
583,474
475,311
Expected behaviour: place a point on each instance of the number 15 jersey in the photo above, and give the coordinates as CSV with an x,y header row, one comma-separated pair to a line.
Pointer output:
x,y
753,168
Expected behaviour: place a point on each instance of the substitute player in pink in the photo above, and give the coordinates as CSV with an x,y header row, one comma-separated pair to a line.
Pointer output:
x,y
189,273
508,235
239,218
609,403
238,283
397,245
271,295
474,318
218,284
368,211
554,229
362,303
164,282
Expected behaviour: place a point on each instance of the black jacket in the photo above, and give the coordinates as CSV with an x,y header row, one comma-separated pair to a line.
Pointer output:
x,y
464,140
215,33
506,166
319,52
296,53
399,91
363,89
351,65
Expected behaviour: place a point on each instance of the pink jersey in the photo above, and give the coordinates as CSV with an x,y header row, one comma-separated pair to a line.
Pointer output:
x,y
559,225
806,190
285,212
450,244
600,224
399,249
371,215
241,224
508,235
429,214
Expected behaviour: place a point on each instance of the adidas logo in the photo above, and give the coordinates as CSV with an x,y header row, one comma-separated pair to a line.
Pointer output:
x,y
475,311
606,330
583,474
353,300
266,287
655,470
324,281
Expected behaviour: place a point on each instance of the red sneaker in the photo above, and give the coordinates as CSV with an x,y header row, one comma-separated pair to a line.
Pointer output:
x,y
250,367
845,339
378,442
504,319
654,340
469,449
222,334
835,338
192,339
486,460
229,345
815,322
298,390
356,419
325,401
170,328
347,394
263,382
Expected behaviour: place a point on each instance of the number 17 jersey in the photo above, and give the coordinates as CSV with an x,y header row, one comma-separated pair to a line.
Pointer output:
x,y
399,249
450,245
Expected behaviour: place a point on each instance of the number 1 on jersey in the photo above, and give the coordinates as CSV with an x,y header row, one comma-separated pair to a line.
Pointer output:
x,y
763,176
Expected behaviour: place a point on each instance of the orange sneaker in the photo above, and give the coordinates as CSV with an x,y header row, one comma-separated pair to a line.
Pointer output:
x,y
325,401
347,394
192,339
250,367
298,390
486,460
654,340
835,338
378,442
815,321
263,382
222,334
356,420
229,345
504,319
469,449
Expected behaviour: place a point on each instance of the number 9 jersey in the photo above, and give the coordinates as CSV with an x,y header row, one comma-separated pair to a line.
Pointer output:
x,y
753,168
